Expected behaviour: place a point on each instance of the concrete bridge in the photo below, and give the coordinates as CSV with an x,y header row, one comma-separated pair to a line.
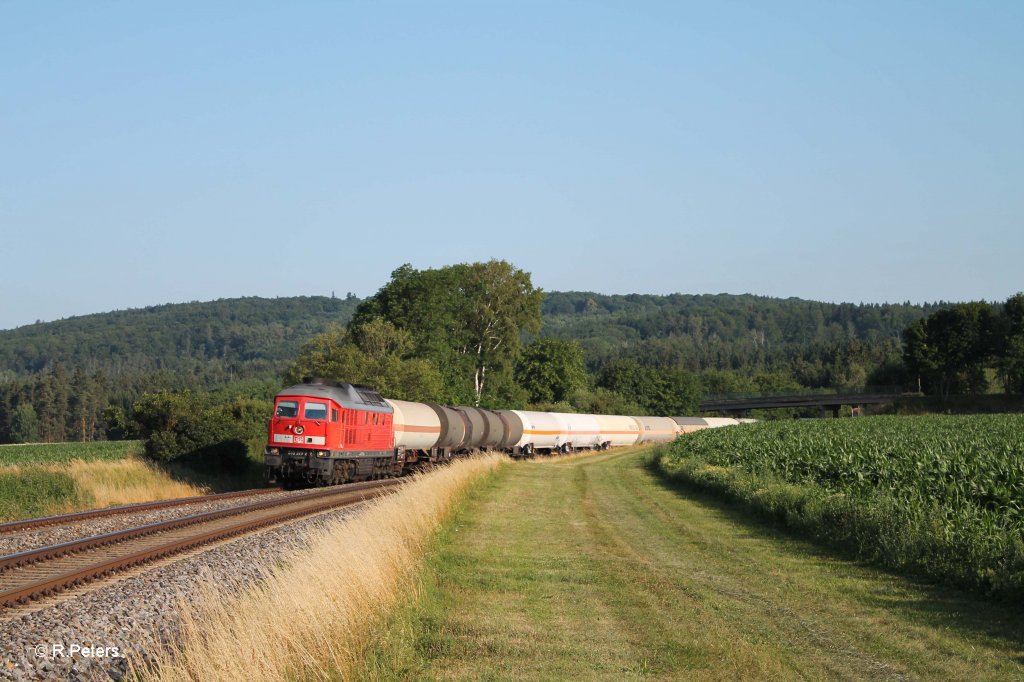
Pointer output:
x,y
826,402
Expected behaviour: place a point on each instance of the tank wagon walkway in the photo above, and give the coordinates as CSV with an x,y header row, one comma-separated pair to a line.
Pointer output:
x,y
593,568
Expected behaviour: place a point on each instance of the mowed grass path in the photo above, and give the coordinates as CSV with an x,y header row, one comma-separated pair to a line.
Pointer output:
x,y
594,568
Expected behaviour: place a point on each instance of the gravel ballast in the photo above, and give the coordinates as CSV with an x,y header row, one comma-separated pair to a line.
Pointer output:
x,y
93,636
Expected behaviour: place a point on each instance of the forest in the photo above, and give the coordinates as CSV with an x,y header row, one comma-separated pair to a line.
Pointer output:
x,y
482,334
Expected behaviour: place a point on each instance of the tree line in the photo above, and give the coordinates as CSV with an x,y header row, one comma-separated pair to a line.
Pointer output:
x,y
482,334
968,347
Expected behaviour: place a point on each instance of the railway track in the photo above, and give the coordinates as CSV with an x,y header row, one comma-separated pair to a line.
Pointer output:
x,y
74,517
30,575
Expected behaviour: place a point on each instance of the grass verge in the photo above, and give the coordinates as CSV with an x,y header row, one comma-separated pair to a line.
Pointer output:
x,y
934,497
27,491
597,569
314,616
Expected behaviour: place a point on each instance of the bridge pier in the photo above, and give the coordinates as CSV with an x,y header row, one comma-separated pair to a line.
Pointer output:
x,y
833,408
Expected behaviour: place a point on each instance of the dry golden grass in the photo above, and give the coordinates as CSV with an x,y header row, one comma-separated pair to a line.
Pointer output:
x,y
126,481
312,618
28,490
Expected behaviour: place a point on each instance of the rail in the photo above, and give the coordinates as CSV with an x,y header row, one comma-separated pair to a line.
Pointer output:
x,y
73,517
36,573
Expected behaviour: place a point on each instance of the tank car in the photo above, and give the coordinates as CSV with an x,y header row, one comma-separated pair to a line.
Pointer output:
x,y
326,433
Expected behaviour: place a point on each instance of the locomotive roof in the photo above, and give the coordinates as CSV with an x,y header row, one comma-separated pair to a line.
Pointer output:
x,y
346,395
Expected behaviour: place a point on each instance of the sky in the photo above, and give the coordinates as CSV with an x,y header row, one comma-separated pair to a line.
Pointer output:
x,y
840,151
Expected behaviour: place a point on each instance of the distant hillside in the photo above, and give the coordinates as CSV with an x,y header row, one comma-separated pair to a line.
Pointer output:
x,y
228,332
76,379
265,334
718,331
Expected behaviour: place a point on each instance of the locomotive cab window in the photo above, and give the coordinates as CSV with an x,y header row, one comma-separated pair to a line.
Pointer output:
x,y
334,415
316,411
287,408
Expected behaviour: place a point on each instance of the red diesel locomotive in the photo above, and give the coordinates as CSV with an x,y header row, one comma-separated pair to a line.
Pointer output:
x,y
323,433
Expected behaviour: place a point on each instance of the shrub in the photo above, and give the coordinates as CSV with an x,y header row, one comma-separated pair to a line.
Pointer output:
x,y
186,429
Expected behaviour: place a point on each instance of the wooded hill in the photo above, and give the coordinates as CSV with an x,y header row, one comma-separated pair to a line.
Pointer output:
x,y
235,333
73,379
226,333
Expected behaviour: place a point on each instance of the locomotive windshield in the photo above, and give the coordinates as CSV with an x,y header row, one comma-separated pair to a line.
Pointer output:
x,y
316,411
287,408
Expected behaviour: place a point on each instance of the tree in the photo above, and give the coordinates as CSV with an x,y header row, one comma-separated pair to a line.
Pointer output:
x,y
24,424
466,319
187,428
950,348
1011,363
551,370
372,355
660,392
500,304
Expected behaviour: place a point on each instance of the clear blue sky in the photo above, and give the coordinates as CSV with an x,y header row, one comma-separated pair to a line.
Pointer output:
x,y
180,151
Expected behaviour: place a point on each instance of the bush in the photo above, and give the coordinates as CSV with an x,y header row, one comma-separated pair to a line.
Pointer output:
x,y
34,492
184,428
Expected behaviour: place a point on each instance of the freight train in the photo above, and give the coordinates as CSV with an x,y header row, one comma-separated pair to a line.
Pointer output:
x,y
327,433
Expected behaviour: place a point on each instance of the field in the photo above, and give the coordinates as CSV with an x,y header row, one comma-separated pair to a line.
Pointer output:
x,y
598,568
53,478
44,453
941,496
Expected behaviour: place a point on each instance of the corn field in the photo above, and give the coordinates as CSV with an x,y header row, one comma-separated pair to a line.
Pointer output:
x,y
51,453
940,495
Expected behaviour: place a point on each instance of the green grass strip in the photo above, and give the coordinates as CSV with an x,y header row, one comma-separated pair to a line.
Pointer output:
x,y
599,569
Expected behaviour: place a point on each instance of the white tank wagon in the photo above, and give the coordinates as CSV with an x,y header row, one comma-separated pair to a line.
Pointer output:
x,y
580,431
657,430
541,431
617,430
417,426
718,422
